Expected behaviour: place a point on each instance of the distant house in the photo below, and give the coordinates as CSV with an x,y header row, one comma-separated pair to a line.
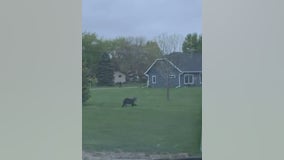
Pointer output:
x,y
119,77
178,69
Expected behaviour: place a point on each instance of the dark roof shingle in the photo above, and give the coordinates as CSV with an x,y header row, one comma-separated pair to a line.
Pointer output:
x,y
186,61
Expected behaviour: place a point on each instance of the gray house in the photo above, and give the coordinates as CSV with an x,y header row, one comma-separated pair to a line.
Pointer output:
x,y
175,70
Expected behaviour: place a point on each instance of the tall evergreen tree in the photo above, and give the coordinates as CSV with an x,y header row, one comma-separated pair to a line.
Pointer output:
x,y
105,71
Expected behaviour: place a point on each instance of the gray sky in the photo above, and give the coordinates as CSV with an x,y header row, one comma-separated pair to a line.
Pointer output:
x,y
147,18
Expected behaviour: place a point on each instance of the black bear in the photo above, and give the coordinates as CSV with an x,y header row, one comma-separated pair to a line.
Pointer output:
x,y
127,101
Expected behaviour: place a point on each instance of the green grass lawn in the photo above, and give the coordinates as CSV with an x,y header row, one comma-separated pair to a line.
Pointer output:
x,y
154,126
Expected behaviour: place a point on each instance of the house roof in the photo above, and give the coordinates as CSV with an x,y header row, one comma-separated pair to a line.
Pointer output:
x,y
186,61
183,62
162,59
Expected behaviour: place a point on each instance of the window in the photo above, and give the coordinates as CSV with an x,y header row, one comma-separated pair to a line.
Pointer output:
x,y
154,79
120,76
188,79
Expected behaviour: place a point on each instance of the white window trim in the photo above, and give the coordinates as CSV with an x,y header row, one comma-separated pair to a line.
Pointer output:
x,y
154,76
184,77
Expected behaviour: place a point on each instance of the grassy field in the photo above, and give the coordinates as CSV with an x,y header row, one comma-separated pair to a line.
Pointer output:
x,y
154,126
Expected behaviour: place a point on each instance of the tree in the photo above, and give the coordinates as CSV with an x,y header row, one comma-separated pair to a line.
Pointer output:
x,y
105,71
151,53
169,43
192,43
93,47
134,55
85,83
165,69
129,54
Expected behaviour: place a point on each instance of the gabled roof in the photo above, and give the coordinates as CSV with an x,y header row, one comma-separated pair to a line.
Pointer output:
x,y
162,59
186,61
183,62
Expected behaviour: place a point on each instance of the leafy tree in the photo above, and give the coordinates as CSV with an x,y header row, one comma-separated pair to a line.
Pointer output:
x,y
192,43
129,54
199,46
93,47
133,55
105,71
121,56
152,52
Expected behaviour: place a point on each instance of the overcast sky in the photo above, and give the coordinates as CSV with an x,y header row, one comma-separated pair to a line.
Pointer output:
x,y
147,18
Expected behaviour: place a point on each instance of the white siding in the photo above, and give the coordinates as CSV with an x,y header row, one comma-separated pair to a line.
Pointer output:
x,y
119,77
